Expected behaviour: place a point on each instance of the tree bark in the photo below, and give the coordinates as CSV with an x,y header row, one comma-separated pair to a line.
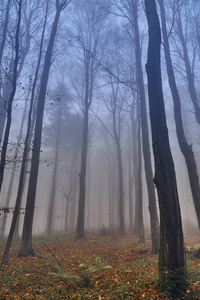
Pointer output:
x,y
82,176
171,252
140,191
145,138
134,130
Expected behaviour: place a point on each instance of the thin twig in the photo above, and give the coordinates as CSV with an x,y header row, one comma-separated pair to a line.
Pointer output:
x,y
53,255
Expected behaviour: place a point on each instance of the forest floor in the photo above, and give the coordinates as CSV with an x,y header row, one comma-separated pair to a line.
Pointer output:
x,y
100,268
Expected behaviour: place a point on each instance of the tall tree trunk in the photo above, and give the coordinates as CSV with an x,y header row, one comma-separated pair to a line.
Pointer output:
x,y
140,192
74,172
121,188
171,251
82,176
134,131
24,158
11,98
88,196
89,78
186,149
53,183
145,138
26,242
130,184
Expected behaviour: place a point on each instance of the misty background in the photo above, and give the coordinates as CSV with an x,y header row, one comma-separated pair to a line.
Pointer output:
x,y
95,47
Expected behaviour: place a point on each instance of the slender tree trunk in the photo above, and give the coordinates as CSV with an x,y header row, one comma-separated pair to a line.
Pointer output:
x,y
130,187
53,183
11,98
70,194
74,173
72,212
12,176
171,252
140,192
99,197
26,242
121,188
186,149
67,215
88,196
82,177
134,130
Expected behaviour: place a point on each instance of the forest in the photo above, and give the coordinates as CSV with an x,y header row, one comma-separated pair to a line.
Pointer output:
x,y
99,149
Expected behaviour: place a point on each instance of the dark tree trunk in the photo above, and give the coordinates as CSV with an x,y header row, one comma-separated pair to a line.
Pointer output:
x,y
5,142
171,252
11,98
82,175
145,138
24,158
26,242
140,192
89,78
73,180
186,149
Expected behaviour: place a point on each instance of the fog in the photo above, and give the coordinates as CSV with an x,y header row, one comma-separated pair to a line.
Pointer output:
x,y
92,119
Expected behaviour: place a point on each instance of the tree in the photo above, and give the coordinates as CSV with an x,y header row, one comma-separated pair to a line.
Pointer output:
x,y
6,56
116,109
130,10
26,242
171,252
11,97
13,172
25,155
53,183
188,65
62,122
139,178
145,134
186,149
2,46
91,21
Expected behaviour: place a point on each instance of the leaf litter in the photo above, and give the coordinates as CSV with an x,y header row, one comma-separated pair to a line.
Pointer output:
x,y
94,268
